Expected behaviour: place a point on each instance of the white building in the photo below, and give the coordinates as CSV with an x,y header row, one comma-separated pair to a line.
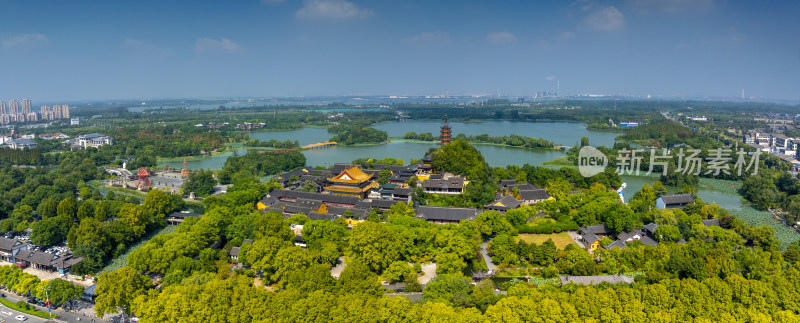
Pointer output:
x,y
90,140
21,144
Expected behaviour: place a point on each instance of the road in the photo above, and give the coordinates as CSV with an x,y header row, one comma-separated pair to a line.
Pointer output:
x,y
8,315
62,316
485,254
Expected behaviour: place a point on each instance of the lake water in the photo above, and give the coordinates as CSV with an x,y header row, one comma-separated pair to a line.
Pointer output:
x,y
563,133
705,193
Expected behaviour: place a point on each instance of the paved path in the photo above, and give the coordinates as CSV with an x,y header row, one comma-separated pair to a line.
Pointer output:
x,y
486,258
428,273
574,235
337,270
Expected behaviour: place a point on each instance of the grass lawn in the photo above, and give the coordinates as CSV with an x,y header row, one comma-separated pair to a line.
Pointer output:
x,y
561,239
33,312
560,161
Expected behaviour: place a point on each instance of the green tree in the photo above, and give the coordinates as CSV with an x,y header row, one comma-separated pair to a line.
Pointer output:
x,y
374,244
450,263
86,209
460,158
314,231
49,231
200,182
558,188
135,217
759,190
67,208
452,290
159,204
401,210
358,278
584,141
242,227
101,211
60,291
89,231
644,200
399,271
271,224
47,209
261,254
93,259
309,186
667,233
117,289
383,175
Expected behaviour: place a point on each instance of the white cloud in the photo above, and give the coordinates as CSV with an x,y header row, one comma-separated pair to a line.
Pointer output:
x,y
429,37
567,35
550,78
501,37
605,19
331,10
671,6
26,41
223,45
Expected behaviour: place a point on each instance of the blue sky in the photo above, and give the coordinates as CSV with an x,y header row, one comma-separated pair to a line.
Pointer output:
x,y
76,50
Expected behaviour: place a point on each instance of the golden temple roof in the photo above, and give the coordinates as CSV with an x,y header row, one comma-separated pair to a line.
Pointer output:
x,y
352,175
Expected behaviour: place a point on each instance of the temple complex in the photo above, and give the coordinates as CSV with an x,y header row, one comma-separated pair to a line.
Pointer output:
x,y
352,182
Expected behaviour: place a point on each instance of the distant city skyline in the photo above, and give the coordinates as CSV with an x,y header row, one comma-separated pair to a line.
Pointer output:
x,y
100,50
14,115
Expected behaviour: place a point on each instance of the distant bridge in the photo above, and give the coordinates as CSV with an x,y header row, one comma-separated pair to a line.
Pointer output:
x,y
118,171
320,145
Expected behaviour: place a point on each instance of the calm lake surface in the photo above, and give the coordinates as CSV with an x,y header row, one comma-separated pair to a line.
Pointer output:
x,y
561,133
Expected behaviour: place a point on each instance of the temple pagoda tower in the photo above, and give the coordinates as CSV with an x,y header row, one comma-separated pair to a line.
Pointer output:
x,y
446,135
184,171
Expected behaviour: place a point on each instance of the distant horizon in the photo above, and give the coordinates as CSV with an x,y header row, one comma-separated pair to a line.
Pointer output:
x,y
528,99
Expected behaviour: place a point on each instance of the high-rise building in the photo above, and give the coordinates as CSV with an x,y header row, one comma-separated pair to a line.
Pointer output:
x,y
47,112
3,108
13,109
56,111
65,111
26,106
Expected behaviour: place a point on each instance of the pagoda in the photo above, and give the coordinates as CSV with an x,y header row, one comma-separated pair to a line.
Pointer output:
x,y
351,182
184,171
445,137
